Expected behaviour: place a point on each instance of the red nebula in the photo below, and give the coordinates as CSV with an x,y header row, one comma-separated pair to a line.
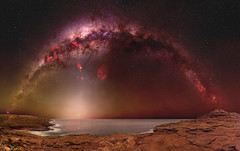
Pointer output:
x,y
49,58
102,73
79,66
54,48
74,44
214,97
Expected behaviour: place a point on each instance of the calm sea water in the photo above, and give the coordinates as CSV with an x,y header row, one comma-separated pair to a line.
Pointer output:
x,y
103,127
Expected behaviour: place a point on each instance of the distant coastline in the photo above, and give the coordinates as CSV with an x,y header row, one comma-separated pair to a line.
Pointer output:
x,y
218,130
102,127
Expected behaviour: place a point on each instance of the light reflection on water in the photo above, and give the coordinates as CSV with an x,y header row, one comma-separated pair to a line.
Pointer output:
x,y
102,127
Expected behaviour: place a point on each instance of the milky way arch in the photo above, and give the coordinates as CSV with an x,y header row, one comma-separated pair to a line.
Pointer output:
x,y
89,39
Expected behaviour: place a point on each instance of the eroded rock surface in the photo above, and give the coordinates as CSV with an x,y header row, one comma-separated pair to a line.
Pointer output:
x,y
21,122
218,130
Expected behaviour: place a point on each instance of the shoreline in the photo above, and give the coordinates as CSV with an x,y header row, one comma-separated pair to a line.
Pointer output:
x,y
218,130
56,130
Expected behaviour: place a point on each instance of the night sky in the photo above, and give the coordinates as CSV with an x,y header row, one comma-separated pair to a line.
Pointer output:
x,y
139,59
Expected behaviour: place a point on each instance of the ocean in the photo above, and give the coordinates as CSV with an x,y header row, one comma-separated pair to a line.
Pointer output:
x,y
102,127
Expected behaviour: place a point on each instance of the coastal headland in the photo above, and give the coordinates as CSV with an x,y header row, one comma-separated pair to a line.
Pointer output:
x,y
216,131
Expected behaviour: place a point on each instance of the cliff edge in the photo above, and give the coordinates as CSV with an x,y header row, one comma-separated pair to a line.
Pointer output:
x,y
216,131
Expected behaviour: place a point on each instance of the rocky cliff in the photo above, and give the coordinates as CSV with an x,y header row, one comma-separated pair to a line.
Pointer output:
x,y
216,131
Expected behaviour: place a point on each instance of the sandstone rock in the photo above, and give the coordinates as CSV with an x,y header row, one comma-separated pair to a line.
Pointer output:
x,y
216,131
220,113
26,122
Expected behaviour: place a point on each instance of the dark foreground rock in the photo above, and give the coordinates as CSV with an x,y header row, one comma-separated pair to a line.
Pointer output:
x,y
216,131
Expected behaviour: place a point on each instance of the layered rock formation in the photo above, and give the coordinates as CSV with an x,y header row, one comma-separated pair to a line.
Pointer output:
x,y
218,130
24,122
